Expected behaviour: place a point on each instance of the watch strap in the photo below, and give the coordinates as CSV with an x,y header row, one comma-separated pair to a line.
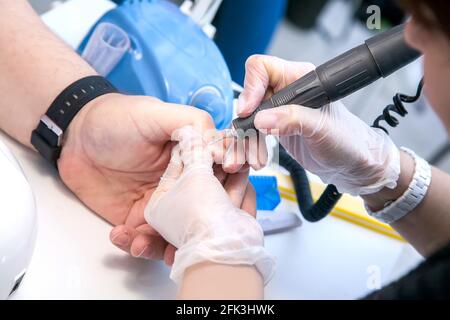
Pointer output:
x,y
47,137
413,195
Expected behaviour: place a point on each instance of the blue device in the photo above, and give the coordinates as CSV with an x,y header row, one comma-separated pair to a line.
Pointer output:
x,y
170,58
267,193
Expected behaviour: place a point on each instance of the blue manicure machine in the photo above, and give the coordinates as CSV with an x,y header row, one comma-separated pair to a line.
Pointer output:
x,y
170,58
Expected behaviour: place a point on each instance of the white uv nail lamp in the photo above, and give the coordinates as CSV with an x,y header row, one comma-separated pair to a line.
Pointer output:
x,y
18,223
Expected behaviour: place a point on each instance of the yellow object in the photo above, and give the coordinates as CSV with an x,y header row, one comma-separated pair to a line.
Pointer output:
x,y
348,208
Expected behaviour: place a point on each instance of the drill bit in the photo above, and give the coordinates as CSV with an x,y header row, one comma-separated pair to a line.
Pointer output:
x,y
224,134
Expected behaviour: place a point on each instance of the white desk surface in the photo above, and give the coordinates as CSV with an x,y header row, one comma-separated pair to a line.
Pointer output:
x,y
74,258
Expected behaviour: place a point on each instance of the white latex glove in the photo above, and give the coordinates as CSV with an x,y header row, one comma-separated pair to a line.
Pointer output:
x,y
192,211
330,142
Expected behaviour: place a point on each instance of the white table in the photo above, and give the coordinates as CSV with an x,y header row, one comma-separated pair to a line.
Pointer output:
x,y
74,259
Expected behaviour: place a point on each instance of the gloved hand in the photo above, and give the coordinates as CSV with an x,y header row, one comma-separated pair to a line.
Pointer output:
x,y
192,211
330,142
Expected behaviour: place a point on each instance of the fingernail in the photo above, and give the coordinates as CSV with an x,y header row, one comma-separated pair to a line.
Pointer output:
x,y
139,255
241,104
121,239
265,120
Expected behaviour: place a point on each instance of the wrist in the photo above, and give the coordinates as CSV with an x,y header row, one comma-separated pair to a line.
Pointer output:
x,y
226,226
77,122
235,282
38,102
234,238
378,200
48,136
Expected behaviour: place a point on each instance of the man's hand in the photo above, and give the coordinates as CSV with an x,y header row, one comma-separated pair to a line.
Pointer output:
x,y
115,152
117,146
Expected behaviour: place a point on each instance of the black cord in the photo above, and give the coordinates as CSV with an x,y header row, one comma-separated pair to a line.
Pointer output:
x,y
311,211
397,107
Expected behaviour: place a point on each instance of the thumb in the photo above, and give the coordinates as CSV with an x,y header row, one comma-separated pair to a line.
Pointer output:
x,y
265,75
161,119
289,120
260,72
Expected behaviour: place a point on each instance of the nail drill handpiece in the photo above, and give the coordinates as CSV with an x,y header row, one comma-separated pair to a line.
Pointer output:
x,y
378,57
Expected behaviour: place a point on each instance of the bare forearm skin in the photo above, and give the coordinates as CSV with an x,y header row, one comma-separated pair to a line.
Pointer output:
x,y
35,66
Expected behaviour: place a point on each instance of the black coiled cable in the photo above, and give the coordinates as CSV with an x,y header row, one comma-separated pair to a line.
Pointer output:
x,y
397,107
311,211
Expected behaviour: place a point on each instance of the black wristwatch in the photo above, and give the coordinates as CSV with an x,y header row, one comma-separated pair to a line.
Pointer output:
x,y
47,137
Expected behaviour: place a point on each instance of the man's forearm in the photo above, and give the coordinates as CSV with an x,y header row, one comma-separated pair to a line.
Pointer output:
x,y
427,227
35,66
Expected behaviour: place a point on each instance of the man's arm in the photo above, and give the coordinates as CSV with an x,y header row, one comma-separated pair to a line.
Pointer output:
x,y
35,66
427,227
114,150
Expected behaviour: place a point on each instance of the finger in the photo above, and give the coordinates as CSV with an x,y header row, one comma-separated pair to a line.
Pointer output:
x,y
260,73
289,120
122,236
171,175
218,143
148,247
125,237
263,73
174,168
193,148
234,157
219,147
249,202
256,151
236,186
220,174
169,255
